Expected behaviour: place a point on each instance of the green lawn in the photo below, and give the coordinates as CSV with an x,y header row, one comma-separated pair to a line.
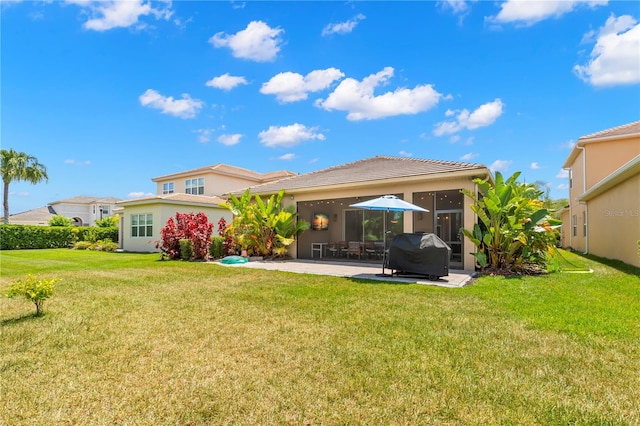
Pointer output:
x,y
132,340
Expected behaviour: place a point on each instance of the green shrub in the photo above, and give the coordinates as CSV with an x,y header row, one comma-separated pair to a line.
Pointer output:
x,y
94,233
82,245
104,245
186,249
34,289
16,237
216,247
107,222
100,245
13,237
59,220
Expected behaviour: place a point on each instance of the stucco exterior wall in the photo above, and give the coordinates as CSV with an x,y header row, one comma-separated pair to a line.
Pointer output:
x,y
614,222
214,184
603,158
161,214
335,201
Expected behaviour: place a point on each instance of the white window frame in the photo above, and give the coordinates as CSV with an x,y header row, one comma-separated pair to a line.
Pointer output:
x,y
194,186
141,230
167,188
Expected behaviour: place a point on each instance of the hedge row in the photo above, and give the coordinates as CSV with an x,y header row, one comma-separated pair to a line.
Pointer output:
x,y
15,237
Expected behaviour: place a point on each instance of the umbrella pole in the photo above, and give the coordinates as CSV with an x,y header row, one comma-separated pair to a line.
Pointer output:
x,y
384,242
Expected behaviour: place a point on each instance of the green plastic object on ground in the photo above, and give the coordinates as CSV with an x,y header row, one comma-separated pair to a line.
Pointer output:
x,y
234,259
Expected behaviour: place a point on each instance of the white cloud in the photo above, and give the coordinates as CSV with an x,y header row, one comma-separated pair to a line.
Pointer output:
x,y
528,12
563,186
535,166
563,174
291,87
226,82
183,108
500,166
134,195
204,135
287,157
469,156
109,14
288,136
456,6
343,27
230,140
405,154
615,58
358,99
483,116
258,42
77,163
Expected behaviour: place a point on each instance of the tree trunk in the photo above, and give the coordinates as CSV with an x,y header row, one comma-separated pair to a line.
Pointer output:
x,y
6,202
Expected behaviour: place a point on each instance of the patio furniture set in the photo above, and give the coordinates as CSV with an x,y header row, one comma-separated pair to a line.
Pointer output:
x,y
349,249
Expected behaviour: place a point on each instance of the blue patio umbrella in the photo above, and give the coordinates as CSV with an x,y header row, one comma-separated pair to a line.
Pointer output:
x,y
387,203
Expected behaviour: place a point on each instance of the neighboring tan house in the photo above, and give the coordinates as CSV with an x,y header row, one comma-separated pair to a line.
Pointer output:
x,y
603,217
191,191
326,195
82,210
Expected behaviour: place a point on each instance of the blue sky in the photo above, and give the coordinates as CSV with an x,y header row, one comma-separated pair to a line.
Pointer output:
x,y
109,94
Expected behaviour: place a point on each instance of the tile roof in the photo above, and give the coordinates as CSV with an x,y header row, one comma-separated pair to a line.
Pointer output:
x,y
228,170
176,198
82,199
41,214
369,170
626,129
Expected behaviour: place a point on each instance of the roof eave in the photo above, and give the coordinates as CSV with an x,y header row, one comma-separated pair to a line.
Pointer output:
x,y
481,172
585,140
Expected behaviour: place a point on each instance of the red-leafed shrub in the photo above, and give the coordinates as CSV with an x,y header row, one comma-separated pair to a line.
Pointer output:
x,y
192,226
227,246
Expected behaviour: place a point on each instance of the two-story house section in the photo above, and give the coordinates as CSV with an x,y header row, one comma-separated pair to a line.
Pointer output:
x,y
214,180
603,217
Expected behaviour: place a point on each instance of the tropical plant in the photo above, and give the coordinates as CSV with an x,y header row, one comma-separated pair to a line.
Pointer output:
x,y
34,289
192,226
514,232
264,228
18,166
59,220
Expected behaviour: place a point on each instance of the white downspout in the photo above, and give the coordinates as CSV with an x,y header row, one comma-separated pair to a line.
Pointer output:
x,y
570,207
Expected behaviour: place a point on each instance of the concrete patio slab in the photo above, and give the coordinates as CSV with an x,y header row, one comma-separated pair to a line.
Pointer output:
x,y
365,271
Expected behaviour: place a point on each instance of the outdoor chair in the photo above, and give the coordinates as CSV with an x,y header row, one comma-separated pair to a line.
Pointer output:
x,y
342,248
333,249
370,250
353,249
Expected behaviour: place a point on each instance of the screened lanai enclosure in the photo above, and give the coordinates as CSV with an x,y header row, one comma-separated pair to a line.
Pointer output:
x,y
341,232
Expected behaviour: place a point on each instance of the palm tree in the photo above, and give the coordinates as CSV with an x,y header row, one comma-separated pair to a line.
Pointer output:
x,y
16,166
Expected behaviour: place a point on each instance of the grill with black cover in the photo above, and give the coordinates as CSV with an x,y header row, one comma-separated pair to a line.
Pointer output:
x,y
419,254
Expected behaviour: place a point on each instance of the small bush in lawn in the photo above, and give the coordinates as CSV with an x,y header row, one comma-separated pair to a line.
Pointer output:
x,y
82,245
100,245
34,289
186,249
